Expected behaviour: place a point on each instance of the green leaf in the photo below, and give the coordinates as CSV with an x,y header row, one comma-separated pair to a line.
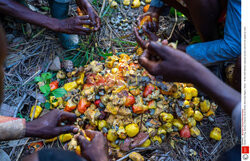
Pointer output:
x,y
46,76
47,105
19,115
196,39
45,8
38,79
45,89
59,92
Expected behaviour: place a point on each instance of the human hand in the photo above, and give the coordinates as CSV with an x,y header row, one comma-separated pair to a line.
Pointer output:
x,y
96,149
154,13
172,64
48,125
86,6
74,25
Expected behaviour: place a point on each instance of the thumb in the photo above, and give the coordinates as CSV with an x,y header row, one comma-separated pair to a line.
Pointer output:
x,y
151,66
66,129
83,141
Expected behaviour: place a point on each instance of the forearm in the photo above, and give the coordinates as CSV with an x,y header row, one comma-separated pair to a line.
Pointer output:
x,y
11,128
225,96
12,8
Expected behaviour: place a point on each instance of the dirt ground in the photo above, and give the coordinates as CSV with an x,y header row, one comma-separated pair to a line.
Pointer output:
x,y
32,49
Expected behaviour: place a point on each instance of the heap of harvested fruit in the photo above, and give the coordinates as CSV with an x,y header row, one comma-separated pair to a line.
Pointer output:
x,y
129,106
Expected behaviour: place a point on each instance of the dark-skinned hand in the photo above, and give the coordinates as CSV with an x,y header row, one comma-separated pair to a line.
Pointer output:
x,y
48,126
96,149
154,13
74,25
172,64
89,10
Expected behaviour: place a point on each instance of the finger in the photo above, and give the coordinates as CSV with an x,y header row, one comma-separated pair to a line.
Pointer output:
x,y
75,130
67,116
98,26
84,17
157,49
83,141
86,22
164,42
151,66
141,17
154,26
65,129
139,20
91,134
93,19
150,35
139,40
98,20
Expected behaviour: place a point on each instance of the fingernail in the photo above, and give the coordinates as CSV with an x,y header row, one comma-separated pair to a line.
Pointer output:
x,y
75,130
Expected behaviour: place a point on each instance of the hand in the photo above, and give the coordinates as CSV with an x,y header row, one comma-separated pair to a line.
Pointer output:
x,y
74,25
48,126
154,13
172,64
96,149
86,6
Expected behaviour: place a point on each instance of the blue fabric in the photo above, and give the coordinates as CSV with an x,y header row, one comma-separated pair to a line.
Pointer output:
x,y
224,49
157,3
63,1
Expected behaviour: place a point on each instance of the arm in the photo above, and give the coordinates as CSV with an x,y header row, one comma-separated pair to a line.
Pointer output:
x,y
220,92
13,8
47,126
11,128
178,66
73,25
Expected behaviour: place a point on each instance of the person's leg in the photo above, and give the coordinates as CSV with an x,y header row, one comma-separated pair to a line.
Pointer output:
x,y
204,15
233,154
178,6
59,9
53,155
21,1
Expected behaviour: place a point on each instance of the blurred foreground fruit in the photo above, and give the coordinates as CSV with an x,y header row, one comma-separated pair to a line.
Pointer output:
x,y
215,134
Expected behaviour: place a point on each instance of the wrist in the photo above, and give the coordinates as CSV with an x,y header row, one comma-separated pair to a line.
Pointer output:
x,y
98,157
198,71
54,24
30,129
102,158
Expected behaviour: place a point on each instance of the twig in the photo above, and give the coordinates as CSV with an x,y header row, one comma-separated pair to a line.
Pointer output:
x,y
28,80
18,156
215,148
19,104
171,34
135,150
40,32
103,5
